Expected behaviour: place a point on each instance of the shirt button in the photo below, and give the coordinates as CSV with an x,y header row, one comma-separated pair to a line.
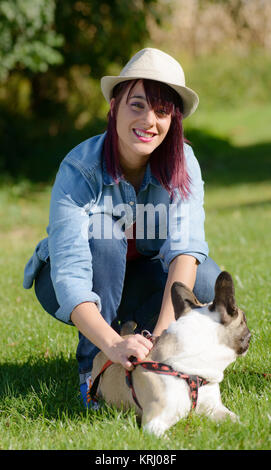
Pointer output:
x,y
131,203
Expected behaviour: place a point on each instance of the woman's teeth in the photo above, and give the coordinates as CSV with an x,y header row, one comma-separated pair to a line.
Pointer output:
x,y
147,135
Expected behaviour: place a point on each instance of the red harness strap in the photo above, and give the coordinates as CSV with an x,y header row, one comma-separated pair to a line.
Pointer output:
x,y
92,391
193,381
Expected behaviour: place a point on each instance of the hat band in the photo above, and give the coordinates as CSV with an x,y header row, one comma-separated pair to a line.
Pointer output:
x,y
151,74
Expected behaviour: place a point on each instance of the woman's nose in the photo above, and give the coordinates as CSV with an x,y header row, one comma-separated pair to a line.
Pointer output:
x,y
149,117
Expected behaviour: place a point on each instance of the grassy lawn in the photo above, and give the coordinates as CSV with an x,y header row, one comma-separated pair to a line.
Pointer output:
x,y
39,401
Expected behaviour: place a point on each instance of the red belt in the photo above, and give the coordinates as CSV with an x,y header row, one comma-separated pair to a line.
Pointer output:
x,y
193,381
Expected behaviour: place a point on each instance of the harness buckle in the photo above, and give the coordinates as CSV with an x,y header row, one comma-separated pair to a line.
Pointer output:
x,y
148,335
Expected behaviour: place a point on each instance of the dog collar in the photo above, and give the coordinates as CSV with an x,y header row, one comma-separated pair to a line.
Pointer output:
x,y
193,381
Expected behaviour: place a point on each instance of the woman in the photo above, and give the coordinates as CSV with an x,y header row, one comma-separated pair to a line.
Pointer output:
x,y
126,218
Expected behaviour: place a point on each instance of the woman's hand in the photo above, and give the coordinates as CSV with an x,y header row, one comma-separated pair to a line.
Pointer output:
x,y
87,318
135,345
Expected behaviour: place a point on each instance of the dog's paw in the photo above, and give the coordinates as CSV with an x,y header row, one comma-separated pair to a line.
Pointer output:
x,y
156,426
221,414
234,417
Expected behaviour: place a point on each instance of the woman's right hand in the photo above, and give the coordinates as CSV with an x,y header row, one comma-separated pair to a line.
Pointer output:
x,y
87,318
135,345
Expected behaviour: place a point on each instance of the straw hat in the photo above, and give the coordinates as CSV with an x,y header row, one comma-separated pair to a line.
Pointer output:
x,y
155,65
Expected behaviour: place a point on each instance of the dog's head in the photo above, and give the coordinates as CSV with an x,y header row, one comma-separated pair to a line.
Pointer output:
x,y
223,309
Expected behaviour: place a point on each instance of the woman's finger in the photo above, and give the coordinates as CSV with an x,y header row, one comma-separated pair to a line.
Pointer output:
x,y
141,342
141,339
138,350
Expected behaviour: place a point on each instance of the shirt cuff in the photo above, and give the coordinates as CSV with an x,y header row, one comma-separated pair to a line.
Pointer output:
x,y
65,310
199,252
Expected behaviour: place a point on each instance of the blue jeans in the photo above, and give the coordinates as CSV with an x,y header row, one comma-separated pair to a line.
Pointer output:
x,y
128,291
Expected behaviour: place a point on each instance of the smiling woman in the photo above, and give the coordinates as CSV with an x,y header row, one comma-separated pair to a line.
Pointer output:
x,y
153,112
97,283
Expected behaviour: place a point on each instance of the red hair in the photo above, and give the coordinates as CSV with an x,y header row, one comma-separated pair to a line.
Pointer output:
x,y
167,161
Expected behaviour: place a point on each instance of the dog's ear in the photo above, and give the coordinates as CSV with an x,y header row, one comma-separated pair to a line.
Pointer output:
x,y
128,328
183,299
224,301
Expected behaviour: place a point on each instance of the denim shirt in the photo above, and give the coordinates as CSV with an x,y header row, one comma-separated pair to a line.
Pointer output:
x,y
83,189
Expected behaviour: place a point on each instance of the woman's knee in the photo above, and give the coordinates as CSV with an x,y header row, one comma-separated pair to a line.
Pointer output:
x,y
44,290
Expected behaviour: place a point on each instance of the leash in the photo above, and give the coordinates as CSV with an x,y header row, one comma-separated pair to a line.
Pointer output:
x,y
193,381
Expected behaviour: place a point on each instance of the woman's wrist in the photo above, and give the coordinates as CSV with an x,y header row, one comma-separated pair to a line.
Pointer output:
x,y
111,344
87,318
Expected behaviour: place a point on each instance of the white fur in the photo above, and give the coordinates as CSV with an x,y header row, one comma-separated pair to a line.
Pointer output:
x,y
199,352
178,406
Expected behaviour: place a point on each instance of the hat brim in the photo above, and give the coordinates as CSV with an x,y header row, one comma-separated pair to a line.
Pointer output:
x,y
189,97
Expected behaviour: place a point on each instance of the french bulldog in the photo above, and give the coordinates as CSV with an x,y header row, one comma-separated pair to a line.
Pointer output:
x,y
203,341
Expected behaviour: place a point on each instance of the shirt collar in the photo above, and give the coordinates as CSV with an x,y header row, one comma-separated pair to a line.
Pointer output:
x,y
149,178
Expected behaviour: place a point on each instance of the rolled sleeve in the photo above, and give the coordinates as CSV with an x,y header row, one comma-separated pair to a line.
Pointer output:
x,y
186,219
69,251
69,304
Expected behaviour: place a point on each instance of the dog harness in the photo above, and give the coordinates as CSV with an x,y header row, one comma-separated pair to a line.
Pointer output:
x,y
193,381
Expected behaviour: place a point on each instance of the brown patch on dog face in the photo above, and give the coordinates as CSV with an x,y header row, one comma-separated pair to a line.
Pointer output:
x,y
183,299
236,334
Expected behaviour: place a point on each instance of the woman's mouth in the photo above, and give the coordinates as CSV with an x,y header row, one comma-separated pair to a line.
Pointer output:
x,y
144,136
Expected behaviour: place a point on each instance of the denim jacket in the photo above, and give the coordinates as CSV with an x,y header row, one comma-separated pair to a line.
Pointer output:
x,y
83,189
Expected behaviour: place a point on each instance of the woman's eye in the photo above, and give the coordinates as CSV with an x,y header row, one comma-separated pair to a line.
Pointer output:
x,y
137,105
161,112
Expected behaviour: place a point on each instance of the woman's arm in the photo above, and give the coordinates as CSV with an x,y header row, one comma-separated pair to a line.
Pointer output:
x,y
87,318
183,268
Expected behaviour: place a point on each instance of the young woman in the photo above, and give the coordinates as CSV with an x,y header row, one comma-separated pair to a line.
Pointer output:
x,y
126,218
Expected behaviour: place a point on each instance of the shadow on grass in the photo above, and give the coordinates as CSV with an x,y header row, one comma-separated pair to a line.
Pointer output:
x,y
33,150
47,387
224,164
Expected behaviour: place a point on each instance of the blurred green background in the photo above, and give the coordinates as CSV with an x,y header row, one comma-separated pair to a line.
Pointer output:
x,y
53,54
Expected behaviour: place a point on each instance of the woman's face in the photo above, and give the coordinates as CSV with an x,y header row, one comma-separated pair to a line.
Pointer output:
x,y
140,129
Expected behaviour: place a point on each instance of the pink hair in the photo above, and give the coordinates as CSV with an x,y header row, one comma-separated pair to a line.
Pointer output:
x,y
167,161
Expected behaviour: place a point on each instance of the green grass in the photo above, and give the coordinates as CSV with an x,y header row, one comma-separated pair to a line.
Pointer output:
x,y
39,401
39,406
